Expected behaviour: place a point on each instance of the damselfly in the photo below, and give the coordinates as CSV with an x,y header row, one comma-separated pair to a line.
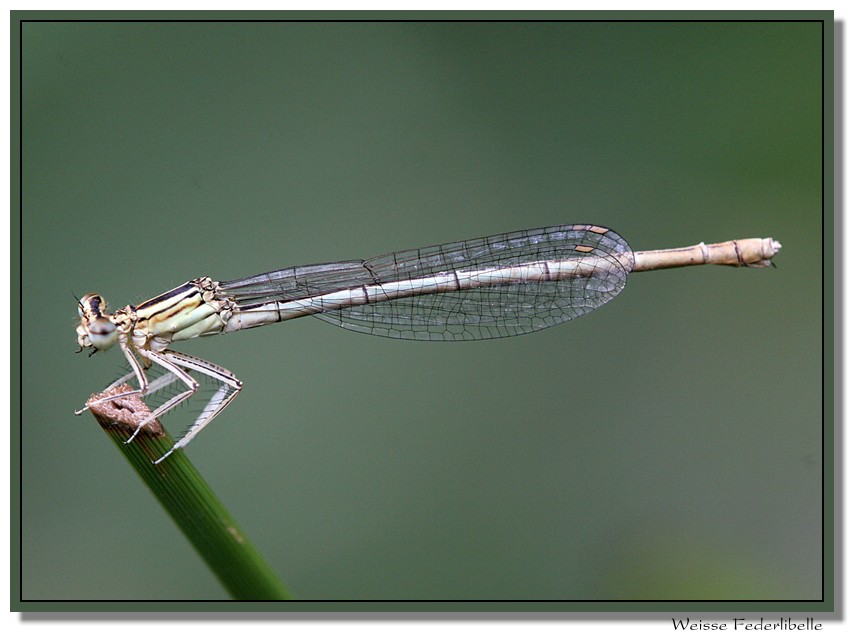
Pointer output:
x,y
490,287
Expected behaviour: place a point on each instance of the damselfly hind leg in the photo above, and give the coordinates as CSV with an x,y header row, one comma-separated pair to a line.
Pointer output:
x,y
224,396
228,388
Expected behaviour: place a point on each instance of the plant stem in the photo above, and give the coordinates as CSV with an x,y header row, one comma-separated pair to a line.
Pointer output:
x,y
187,498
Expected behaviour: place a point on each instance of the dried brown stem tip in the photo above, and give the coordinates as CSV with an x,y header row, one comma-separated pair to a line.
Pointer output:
x,y
124,412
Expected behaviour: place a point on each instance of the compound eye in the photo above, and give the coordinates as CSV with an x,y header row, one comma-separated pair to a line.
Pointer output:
x,y
102,333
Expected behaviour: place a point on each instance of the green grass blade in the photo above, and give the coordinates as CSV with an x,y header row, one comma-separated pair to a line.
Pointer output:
x,y
187,498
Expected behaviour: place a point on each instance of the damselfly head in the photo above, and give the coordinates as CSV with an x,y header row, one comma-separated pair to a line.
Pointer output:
x,y
95,330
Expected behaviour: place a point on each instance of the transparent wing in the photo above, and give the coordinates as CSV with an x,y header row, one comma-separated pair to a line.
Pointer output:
x,y
498,310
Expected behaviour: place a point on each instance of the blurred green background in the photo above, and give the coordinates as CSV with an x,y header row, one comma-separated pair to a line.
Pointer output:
x,y
667,446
